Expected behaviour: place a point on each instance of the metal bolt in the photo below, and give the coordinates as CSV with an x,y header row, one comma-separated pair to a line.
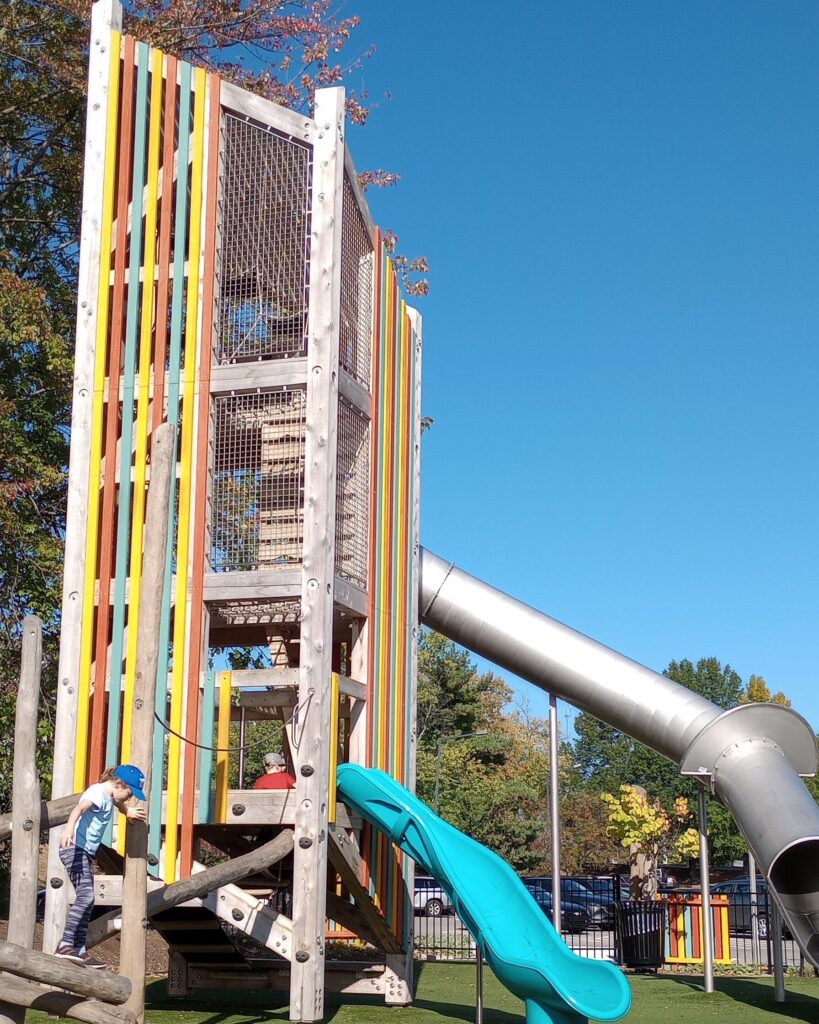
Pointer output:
x,y
302,956
306,770
305,842
237,914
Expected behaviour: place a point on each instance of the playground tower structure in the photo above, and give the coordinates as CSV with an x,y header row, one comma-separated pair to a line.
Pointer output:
x,y
232,283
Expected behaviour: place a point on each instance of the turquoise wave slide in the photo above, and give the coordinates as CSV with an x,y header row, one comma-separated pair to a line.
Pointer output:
x,y
516,938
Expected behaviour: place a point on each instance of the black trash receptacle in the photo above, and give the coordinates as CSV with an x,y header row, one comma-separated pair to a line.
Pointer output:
x,y
641,931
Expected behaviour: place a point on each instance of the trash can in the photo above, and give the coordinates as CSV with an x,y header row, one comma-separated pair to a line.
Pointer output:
x,y
640,928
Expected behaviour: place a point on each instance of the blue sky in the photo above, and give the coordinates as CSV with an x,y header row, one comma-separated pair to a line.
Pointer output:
x,y
620,205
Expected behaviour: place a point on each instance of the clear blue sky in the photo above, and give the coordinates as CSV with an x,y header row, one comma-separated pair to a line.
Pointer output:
x,y
620,205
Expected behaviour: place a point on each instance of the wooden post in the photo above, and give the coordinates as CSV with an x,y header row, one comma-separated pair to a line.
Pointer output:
x,y
105,16
135,884
311,723
25,803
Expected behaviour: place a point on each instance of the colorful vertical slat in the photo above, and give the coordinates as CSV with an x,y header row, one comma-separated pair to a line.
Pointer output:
x,y
159,199
683,940
392,537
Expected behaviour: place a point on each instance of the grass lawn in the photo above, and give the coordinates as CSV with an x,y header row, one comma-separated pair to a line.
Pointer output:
x,y
447,992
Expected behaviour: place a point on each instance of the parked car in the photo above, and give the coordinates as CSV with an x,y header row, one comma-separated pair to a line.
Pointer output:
x,y
738,891
430,898
573,917
598,906
607,888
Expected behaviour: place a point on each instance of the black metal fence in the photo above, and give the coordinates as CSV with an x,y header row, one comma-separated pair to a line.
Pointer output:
x,y
598,922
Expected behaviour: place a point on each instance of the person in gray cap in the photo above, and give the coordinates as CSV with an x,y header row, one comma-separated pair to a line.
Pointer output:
x,y
275,774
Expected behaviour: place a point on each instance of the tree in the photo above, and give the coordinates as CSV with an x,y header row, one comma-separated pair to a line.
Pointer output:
x,y
757,692
35,375
648,831
451,695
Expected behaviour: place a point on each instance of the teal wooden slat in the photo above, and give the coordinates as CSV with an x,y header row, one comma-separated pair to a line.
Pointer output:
x,y
206,757
174,375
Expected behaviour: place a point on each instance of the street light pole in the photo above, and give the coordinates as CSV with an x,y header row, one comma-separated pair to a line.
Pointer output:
x,y
442,739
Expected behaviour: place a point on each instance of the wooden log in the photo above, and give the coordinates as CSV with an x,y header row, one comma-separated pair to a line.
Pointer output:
x,y
135,885
346,860
52,970
62,1004
25,803
199,884
52,813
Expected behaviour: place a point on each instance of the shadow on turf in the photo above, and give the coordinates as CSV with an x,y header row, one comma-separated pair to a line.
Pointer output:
x,y
759,993
260,1007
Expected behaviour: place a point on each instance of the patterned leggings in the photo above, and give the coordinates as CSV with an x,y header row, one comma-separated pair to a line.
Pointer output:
x,y
79,866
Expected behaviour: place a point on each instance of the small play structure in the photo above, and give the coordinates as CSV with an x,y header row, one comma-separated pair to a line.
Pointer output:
x,y
235,294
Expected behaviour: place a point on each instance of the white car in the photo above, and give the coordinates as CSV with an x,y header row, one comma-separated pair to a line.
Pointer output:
x,y
430,898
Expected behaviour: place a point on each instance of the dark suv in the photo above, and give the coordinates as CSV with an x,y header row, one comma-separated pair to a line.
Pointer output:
x,y
599,906
573,917
738,891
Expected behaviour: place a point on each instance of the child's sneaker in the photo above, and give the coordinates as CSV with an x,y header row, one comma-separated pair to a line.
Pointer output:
x,y
93,962
69,953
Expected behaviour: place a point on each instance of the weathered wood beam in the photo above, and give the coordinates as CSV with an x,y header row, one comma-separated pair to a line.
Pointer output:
x,y
25,803
52,812
51,970
62,1004
347,862
199,884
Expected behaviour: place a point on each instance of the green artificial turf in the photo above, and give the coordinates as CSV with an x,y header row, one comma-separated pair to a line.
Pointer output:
x,y
446,992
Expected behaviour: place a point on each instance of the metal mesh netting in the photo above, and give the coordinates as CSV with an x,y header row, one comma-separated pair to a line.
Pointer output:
x,y
265,244
356,289
258,483
352,495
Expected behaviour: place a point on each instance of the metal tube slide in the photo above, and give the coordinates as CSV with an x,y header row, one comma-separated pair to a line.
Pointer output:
x,y
632,698
752,756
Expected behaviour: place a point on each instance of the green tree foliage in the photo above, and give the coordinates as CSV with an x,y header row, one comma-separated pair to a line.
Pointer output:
x,y
492,786
449,690
35,376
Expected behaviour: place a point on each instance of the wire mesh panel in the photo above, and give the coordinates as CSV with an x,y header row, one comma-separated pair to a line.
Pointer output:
x,y
356,289
258,485
352,494
265,243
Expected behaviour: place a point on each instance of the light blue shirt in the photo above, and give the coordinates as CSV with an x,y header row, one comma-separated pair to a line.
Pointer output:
x,y
93,822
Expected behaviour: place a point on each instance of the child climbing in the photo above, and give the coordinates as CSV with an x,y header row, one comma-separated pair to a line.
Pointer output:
x,y
79,843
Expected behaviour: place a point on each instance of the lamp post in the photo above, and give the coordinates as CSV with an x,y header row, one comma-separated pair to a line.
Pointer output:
x,y
441,741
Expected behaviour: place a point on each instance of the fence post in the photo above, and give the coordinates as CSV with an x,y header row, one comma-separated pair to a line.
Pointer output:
x,y
775,928
705,889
